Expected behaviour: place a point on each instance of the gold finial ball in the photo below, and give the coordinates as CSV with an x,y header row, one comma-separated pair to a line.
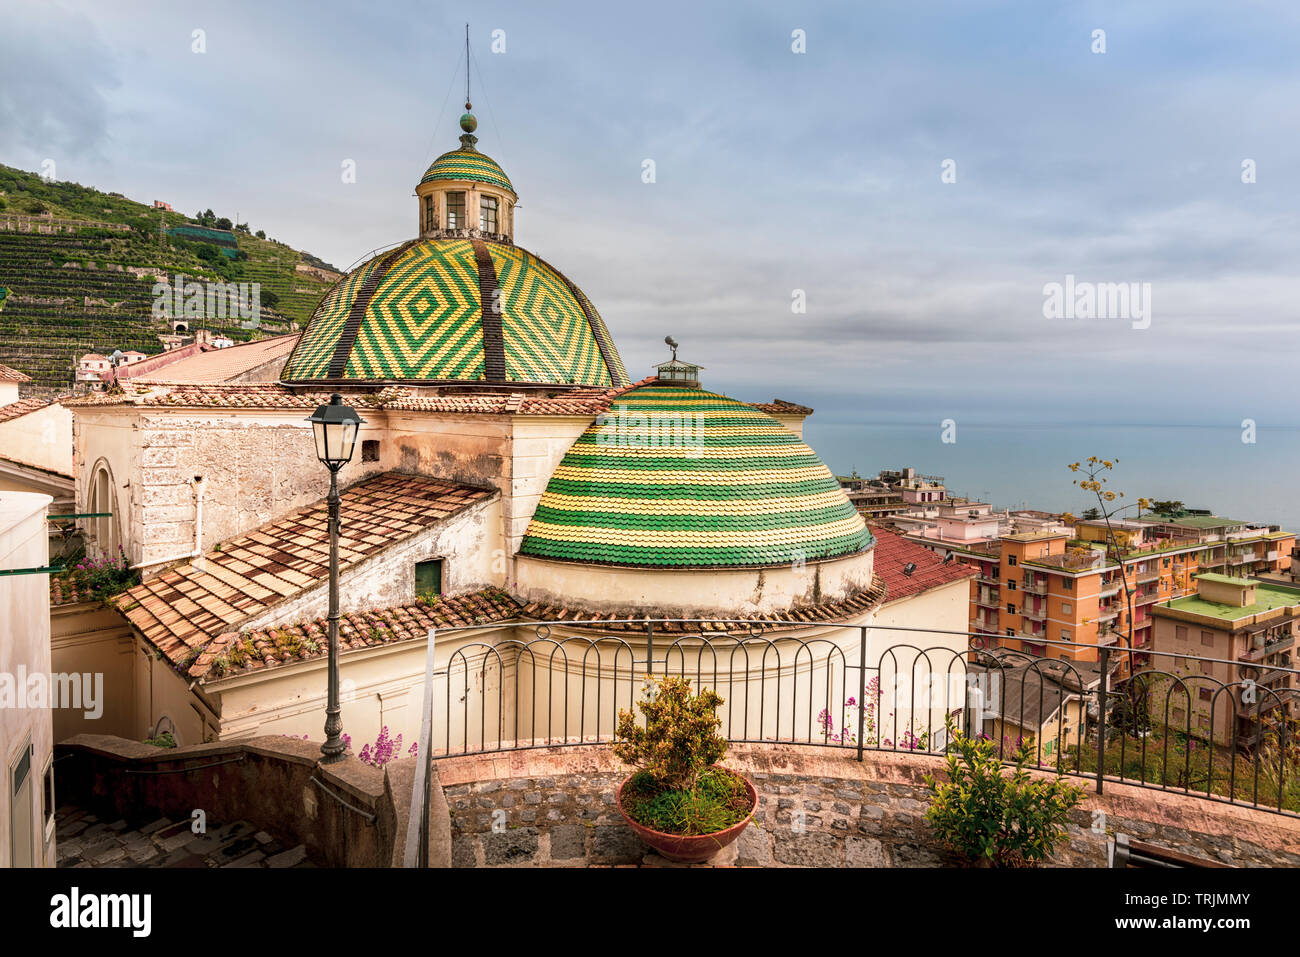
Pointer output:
x,y
468,123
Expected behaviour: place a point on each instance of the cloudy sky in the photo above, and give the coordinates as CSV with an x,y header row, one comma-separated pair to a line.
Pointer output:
x,y
776,171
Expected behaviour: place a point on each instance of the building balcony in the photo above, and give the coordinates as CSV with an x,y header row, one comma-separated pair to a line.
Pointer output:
x,y
1105,639
1148,576
1109,588
1038,614
988,580
1034,588
1107,614
1149,598
1031,635
987,599
1260,653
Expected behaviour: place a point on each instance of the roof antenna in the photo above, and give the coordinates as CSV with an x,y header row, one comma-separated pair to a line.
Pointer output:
x,y
468,122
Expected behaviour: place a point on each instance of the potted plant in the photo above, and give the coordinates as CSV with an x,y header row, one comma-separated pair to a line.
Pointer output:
x,y
679,800
990,819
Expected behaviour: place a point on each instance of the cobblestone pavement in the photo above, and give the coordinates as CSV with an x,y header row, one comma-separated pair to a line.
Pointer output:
x,y
86,841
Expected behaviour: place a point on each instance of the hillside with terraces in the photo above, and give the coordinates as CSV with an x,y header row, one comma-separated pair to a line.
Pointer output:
x,y
79,266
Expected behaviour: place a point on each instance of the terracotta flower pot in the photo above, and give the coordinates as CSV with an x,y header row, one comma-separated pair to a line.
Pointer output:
x,y
693,848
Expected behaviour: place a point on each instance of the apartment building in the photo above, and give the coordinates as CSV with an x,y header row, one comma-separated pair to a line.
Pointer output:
x,y
1046,586
1249,623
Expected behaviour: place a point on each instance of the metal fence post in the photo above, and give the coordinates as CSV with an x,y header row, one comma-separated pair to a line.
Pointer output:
x,y
1103,692
862,686
649,647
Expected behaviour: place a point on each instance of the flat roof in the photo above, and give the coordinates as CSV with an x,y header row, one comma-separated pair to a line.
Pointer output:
x,y
1267,598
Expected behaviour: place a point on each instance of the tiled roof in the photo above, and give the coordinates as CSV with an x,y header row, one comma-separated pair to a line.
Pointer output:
x,y
237,652
680,477
67,591
13,375
416,314
782,407
182,609
467,164
221,365
857,604
33,403
893,553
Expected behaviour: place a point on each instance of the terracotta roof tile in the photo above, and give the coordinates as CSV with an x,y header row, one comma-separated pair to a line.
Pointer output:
x,y
236,652
782,407
893,553
13,375
33,403
183,609
830,612
273,396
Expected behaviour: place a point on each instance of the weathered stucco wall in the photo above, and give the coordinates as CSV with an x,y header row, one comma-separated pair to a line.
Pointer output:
x,y
818,807
24,643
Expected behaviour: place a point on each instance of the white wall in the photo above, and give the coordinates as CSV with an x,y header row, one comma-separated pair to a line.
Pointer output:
x,y
25,645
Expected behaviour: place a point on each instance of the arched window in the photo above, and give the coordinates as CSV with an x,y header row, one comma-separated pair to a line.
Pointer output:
x,y
102,500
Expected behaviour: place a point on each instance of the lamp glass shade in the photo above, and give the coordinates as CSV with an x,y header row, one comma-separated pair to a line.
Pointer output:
x,y
335,428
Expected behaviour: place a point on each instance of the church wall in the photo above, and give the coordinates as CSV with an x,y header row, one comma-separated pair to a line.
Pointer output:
x,y
472,449
687,593
255,467
539,445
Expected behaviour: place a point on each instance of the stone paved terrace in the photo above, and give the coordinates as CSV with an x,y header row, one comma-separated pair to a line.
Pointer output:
x,y
86,841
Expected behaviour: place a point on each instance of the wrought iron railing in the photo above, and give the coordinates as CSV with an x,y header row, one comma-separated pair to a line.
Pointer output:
x,y
1208,727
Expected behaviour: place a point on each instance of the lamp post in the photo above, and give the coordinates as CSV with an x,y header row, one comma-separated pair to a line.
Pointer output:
x,y
335,427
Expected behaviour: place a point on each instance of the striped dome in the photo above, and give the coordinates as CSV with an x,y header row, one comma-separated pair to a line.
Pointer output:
x,y
678,477
468,164
415,314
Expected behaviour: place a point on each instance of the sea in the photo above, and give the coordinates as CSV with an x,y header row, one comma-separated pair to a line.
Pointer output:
x,y
1026,466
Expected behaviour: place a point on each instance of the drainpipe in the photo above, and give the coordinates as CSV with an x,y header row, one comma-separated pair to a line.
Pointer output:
x,y
197,486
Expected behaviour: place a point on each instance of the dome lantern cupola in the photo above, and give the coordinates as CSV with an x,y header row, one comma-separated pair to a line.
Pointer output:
x,y
465,194
685,375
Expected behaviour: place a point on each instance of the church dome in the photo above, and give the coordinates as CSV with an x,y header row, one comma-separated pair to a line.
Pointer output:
x,y
467,164
416,315
677,477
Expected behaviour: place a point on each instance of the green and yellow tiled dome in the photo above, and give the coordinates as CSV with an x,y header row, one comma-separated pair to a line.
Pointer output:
x,y
468,164
679,477
415,314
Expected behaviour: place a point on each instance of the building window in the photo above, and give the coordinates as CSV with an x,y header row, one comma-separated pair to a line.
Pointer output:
x,y
1011,609
1011,559
370,450
1011,584
487,214
1065,634
1207,639
1011,631
455,210
1066,608
1067,584
1205,694
49,798
428,212
428,577
1180,632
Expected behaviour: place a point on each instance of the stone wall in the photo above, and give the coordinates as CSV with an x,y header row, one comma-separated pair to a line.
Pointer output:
x,y
274,782
817,808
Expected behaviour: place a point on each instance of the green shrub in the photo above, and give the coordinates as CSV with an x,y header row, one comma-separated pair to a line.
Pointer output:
x,y
994,818
680,738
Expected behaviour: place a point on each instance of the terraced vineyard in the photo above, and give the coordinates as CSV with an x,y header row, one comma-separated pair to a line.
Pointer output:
x,y
80,265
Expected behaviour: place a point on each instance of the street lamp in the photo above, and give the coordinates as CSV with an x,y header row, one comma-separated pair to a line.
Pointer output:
x,y
335,427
